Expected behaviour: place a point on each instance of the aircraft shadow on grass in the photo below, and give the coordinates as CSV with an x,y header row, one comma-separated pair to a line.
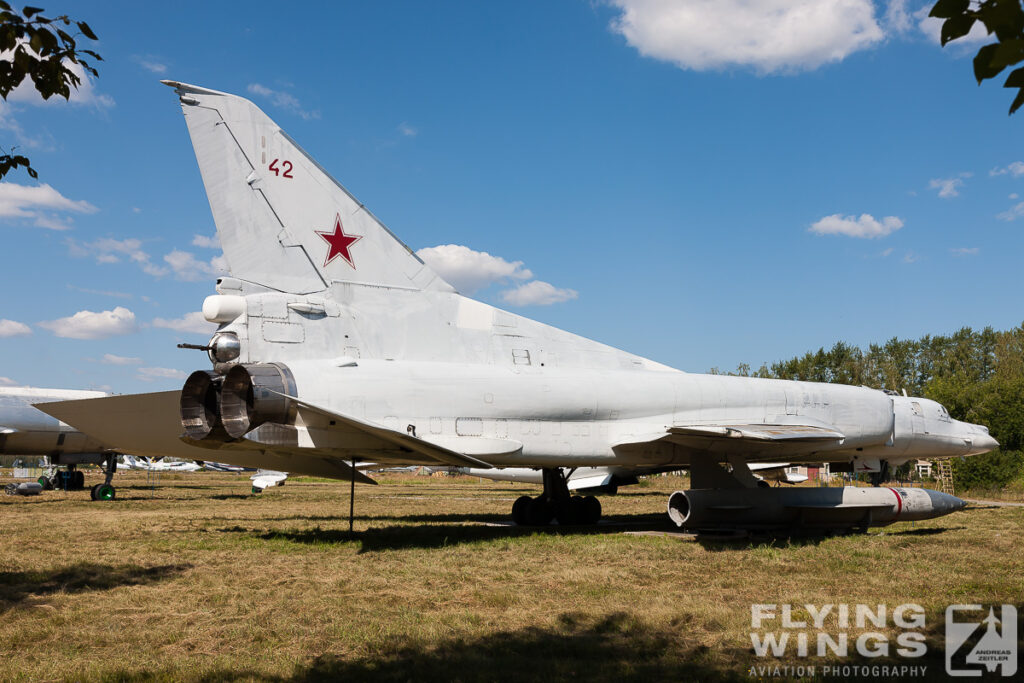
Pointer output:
x,y
611,647
438,531
17,587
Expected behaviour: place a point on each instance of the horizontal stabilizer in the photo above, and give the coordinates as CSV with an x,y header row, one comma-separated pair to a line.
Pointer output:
x,y
149,425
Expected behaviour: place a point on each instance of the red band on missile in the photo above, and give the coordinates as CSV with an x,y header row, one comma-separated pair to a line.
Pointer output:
x,y
899,501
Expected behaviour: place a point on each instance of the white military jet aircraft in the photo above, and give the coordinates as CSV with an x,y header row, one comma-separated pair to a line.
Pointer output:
x,y
337,344
24,430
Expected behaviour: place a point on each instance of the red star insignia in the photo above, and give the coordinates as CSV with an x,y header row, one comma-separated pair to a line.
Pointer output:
x,y
339,242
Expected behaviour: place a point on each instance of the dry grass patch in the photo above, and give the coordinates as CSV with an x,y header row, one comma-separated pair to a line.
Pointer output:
x,y
198,579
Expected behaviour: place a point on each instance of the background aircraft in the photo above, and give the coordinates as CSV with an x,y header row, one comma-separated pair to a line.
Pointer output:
x,y
337,344
24,430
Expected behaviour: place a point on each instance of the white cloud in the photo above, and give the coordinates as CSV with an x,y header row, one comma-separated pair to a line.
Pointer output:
x,y
111,359
190,322
182,264
768,35
407,130
29,201
537,293
948,187
965,251
109,250
886,252
7,382
188,267
468,270
93,325
1016,169
897,18
12,328
283,100
206,242
150,63
911,257
1013,195
932,28
1013,213
153,374
866,226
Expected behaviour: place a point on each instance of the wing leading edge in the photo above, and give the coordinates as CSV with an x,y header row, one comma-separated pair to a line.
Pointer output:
x,y
745,440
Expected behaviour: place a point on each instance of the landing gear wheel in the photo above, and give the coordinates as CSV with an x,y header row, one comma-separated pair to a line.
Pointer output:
x,y
46,483
92,491
519,510
78,481
105,492
539,512
591,510
573,512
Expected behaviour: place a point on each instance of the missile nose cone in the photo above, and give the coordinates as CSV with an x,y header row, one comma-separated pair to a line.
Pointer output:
x,y
943,503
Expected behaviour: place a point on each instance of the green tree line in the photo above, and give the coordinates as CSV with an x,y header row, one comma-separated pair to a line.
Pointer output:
x,y
977,374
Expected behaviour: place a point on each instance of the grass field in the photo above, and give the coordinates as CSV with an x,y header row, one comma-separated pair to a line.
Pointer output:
x,y
197,579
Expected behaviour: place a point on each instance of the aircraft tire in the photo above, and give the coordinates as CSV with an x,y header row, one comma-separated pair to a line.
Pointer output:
x,y
79,480
591,510
92,491
574,512
46,483
105,492
519,510
539,512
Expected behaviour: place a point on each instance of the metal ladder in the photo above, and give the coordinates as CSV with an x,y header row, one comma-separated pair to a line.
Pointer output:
x,y
945,477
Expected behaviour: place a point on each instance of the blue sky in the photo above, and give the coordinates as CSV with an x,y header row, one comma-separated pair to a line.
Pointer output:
x,y
704,182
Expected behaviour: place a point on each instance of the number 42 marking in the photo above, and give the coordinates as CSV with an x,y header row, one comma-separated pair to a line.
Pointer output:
x,y
285,170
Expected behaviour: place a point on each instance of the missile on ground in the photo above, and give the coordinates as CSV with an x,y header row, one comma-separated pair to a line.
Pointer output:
x,y
823,509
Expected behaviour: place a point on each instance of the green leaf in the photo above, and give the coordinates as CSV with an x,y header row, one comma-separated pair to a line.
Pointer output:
x,y
1017,101
86,31
29,11
1005,18
1008,52
956,27
1015,79
946,9
983,63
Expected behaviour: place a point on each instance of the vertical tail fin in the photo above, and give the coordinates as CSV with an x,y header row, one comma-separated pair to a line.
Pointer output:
x,y
283,221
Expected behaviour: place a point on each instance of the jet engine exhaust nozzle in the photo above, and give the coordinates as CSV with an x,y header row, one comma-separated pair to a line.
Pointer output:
x,y
255,394
200,405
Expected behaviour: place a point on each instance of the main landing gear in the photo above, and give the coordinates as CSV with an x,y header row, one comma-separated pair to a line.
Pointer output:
x,y
555,503
105,491
73,479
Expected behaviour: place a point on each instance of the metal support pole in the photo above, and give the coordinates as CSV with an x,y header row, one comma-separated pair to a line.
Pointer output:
x,y
352,498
